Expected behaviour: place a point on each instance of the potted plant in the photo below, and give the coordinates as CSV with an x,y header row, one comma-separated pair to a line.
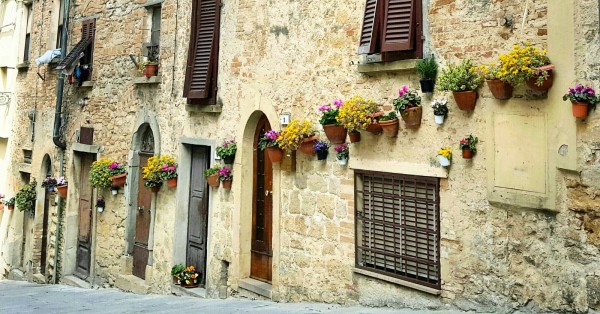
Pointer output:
x,y
343,153
462,80
298,134
118,176
408,104
25,198
582,99
153,178
356,114
468,145
189,277
390,124
529,64
335,132
103,173
176,273
445,156
427,69
440,110
149,66
375,127
227,151
1,201
49,183
269,142
212,176
100,204
499,82
168,170
10,203
62,187
226,177
322,150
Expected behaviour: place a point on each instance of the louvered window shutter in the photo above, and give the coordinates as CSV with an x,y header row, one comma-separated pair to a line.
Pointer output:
x,y
399,25
87,29
370,27
202,54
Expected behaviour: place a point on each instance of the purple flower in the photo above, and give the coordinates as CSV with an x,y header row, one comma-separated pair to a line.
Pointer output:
x,y
403,90
324,108
114,165
272,135
321,146
341,148
338,103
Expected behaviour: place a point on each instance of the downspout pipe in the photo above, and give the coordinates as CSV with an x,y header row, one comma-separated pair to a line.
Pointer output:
x,y
61,81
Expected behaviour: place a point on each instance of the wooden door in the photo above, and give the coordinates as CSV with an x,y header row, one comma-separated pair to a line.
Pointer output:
x,y
142,223
198,212
44,252
84,239
262,210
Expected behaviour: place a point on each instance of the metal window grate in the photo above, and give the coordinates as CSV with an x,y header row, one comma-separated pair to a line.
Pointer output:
x,y
397,226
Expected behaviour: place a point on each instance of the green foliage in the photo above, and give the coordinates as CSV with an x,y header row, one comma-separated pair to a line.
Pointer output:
x,y
427,68
25,198
459,78
407,99
210,171
469,142
390,116
10,202
102,170
227,149
177,269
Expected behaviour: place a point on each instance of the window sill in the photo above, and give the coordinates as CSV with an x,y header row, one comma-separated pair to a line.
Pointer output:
x,y
397,281
147,80
89,84
388,67
206,108
23,66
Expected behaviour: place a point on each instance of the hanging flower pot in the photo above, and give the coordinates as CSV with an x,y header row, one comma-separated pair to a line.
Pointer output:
x,y
150,70
343,161
465,100
439,119
444,161
307,145
322,154
119,181
580,110
336,134
412,117
1,205
374,128
227,184
500,89
533,83
155,189
275,154
467,153
11,207
172,182
228,160
114,191
51,189
213,180
354,136
62,190
427,85
390,124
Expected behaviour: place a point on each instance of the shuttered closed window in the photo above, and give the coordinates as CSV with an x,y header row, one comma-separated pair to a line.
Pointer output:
x,y
397,226
201,73
85,45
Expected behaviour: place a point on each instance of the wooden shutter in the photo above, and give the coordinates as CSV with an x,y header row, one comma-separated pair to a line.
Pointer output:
x,y
88,28
370,27
399,25
203,50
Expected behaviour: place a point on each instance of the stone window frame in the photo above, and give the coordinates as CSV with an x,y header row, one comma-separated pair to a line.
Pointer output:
x,y
27,30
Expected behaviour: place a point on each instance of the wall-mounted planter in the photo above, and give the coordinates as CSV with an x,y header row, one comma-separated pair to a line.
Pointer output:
x,y
546,85
412,117
467,153
354,136
465,100
62,191
427,85
227,184
580,109
390,127
275,154
172,182
119,181
336,134
307,145
322,154
500,89
213,180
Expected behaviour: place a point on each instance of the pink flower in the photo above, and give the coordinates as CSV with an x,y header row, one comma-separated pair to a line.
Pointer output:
x,y
338,103
114,165
324,108
403,90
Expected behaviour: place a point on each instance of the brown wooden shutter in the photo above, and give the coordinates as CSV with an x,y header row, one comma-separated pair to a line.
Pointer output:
x,y
370,27
203,50
399,25
88,28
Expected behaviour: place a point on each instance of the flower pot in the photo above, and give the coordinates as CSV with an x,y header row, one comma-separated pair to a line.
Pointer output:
x,y
336,134
228,160
275,154
467,153
150,70
375,128
100,209
227,184
532,82
427,85
354,136
213,180
500,89
51,189
114,191
62,190
390,128
119,181
439,119
465,100
11,207
343,162
1,205
155,189
176,281
307,145
172,182
192,284
444,162
322,154
580,109
412,117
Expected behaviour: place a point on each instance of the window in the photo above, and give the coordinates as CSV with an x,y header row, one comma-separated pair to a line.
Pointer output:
x,y
28,27
397,226
82,51
151,49
392,28
201,74
59,29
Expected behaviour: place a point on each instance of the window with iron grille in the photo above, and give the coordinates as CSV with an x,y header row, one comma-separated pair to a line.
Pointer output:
x,y
397,226
29,8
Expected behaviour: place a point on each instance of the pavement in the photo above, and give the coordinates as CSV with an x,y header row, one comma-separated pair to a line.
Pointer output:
x,y
23,297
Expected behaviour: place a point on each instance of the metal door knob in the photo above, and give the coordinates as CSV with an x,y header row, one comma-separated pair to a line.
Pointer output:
x,y
267,193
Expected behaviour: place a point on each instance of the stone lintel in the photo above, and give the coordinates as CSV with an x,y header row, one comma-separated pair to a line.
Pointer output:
x,y
147,80
87,84
383,67
84,148
397,281
208,108
406,168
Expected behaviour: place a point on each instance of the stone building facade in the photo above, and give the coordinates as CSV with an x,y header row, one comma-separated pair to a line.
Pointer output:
x,y
518,225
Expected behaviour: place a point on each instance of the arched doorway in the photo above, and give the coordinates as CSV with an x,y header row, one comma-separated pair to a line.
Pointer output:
x,y
47,172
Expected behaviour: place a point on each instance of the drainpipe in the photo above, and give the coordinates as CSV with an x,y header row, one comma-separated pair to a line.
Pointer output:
x,y
61,144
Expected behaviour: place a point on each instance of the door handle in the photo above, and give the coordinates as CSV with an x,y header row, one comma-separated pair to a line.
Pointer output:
x,y
267,192
140,208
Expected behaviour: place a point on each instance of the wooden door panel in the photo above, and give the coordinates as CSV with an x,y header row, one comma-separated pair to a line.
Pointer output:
x,y
44,249
84,239
198,212
142,223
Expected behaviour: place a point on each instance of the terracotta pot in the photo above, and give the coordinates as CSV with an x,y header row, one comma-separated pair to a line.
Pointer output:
x,y
275,154
427,85
172,182
354,136
580,109
336,134
465,100
307,145
11,207
412,117
467,153
531,83
228,160
213,180
155,189
322,154
62,191
227,184
375,128
150,70
500,89
119,181
1,205
390,127
376,115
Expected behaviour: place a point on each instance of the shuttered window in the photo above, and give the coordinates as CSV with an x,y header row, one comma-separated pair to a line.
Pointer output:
x,y
85,46
201,73
392,28
397,226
